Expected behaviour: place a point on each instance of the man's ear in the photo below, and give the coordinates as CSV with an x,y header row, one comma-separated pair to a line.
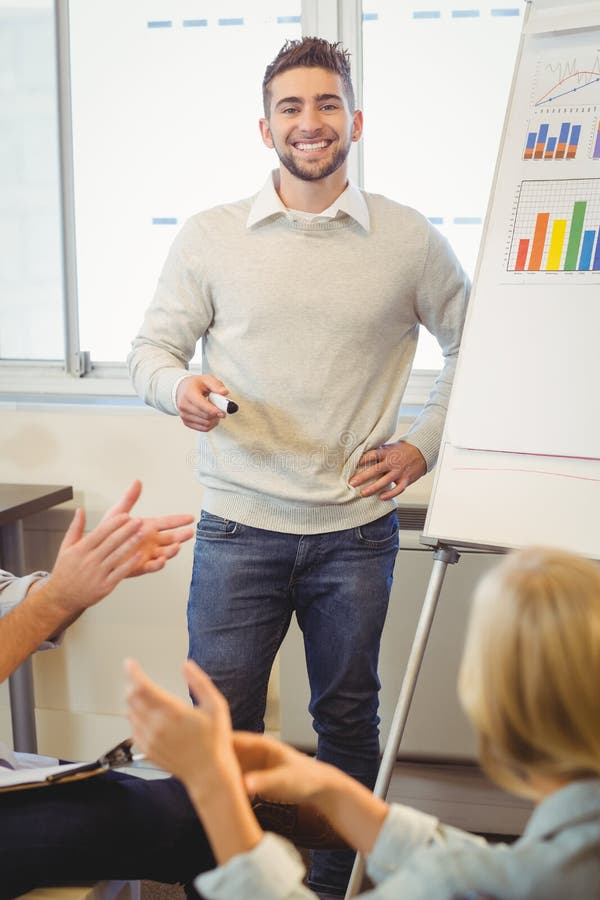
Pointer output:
x,y
357,125
265,133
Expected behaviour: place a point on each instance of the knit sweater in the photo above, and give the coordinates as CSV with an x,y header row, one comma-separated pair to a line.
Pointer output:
x,y
312,326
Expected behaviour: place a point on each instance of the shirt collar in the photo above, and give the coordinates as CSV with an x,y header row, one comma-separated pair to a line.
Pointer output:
x,y
268,204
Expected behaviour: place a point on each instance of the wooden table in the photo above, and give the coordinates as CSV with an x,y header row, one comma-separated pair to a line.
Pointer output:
x,y
17,501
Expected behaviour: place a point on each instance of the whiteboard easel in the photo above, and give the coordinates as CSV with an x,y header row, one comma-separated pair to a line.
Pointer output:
x,y
509,472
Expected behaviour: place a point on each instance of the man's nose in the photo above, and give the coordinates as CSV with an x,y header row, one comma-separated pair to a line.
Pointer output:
x,y
310,120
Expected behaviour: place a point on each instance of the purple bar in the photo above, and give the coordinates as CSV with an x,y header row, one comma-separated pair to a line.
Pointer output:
x,y
596,263
596,154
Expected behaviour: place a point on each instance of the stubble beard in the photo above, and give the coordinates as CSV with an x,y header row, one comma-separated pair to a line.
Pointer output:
x,y
311,171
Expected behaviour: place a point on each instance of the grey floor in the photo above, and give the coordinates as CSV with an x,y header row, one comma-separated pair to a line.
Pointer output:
x,y
458,794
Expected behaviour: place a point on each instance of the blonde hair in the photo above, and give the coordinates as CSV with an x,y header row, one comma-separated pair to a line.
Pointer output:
x,y
530,674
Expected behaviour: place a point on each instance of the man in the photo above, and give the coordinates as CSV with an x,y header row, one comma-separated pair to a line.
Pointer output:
x,y
308,298
112,826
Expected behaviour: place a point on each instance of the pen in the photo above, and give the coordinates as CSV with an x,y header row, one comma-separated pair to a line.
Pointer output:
x,y
223,403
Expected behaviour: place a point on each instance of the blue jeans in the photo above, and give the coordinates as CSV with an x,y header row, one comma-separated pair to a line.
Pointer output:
x,y
247,582
112,826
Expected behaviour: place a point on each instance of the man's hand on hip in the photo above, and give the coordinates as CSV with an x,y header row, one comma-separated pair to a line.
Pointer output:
x,y
195,409
389,469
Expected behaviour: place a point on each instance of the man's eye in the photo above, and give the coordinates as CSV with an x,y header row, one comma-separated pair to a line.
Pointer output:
x,y
329,106
289,110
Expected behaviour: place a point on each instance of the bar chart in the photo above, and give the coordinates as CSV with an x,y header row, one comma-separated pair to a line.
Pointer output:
x,y
553,142
556,227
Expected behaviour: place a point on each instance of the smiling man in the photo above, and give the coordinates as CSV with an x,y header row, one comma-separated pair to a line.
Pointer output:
x,y
308,299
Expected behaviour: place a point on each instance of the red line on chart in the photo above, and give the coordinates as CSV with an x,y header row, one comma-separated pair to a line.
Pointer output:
x,y
525,471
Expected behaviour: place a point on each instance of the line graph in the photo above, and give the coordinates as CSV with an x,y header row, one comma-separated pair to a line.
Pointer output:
x,y
569,85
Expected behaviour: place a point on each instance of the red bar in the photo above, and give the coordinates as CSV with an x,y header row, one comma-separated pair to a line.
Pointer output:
x,y
522,255
539,239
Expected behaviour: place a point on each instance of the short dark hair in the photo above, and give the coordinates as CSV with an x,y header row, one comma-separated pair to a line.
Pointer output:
x,y
311,52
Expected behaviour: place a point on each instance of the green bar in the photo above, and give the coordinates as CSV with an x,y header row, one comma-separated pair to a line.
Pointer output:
x,y
575,236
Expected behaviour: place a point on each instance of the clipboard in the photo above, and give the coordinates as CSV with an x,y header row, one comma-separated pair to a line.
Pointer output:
x,y
45,776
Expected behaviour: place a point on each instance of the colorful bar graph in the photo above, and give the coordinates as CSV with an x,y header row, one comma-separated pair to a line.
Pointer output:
x,y
541,145
556,227
596,151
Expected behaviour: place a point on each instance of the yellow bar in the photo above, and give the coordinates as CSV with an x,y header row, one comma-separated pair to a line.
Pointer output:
x,y
557,240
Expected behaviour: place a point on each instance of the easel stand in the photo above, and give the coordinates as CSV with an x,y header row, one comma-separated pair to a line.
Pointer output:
x,y
443,557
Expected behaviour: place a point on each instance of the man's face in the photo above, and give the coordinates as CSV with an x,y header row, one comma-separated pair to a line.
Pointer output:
x,y
310,125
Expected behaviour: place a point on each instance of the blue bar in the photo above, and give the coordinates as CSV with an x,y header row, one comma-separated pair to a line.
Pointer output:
x,y
195,23
467,220
164,220
231,21
586,251
430,14
564,132
551,145
164,23
436,220
288,20
575,132
596,263
506,12
465,13
531,139
370,17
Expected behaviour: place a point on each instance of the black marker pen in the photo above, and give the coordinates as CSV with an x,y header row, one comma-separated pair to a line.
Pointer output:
x,y
223,403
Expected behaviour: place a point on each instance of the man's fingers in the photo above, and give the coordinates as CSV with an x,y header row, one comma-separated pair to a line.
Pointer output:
x,y
168,523
75,530
127,501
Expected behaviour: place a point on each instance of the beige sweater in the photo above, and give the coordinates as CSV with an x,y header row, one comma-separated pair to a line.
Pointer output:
x,y
313,328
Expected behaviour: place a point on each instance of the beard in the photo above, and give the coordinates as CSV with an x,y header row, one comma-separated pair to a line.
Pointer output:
x,y
313,170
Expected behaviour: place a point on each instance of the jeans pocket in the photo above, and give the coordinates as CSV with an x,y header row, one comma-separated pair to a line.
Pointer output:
x,y
215,528
383,532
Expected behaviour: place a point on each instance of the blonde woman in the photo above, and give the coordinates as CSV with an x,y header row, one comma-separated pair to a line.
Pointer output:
x,y
529,681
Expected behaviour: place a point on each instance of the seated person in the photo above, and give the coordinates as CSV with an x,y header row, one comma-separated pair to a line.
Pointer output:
x,y
113,826
529,682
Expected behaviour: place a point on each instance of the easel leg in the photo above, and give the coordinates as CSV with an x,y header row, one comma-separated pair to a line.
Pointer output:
x,y
442,557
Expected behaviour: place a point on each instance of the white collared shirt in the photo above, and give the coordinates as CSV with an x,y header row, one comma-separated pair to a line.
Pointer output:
x,y
268,203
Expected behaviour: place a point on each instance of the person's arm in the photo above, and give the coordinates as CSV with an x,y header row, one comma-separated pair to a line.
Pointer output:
x,y
440,303
195,744
178,316
86,570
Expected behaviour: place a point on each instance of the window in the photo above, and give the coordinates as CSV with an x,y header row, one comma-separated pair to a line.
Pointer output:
x,y
164,101
436,81
31,294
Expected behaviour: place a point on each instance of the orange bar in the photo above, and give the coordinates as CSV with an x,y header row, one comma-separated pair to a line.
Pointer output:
x,y
539,239
560,151
549,154
571,151
539,150
522,255
528,154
